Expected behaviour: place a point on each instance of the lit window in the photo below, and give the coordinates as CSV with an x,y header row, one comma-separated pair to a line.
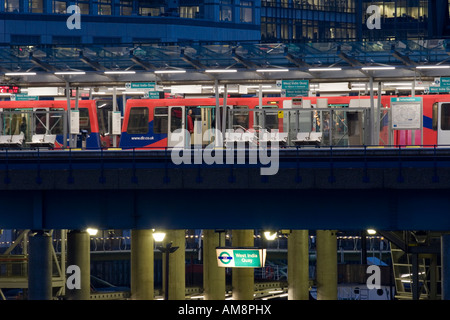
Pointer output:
x,y
12,5
246,11
226,10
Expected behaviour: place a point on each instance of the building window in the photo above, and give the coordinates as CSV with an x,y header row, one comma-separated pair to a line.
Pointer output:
x,y
126,8
36,6
59,7
226,10
246,11
104,7
12,6
191,12
84,6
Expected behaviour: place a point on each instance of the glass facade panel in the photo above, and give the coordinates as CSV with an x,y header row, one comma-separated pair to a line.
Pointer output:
x,y
226,10
12,6
36,6
246,11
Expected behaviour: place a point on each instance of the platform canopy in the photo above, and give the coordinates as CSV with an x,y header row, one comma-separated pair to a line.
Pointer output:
x,y
230,62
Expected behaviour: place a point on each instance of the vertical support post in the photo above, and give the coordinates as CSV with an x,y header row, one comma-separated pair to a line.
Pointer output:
x,y
78,253
213,275
142,265
372,112
174,265
363,247
415,276
298,265
260,96
40,267
378,114
63,257
445,266
217,143
326,268
243,279
114,109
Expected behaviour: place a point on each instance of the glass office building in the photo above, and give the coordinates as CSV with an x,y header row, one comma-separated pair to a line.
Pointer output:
x,y
125,21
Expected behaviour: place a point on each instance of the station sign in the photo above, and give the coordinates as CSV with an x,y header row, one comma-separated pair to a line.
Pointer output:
x,y
241,257
293,88
441,85
151,95
406,113
141,85
23,97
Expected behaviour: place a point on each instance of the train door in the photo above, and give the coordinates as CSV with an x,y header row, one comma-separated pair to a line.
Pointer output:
x,y
177,124
443,125
207,121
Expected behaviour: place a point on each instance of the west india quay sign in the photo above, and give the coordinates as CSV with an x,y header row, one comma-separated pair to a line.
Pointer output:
x,y
241,257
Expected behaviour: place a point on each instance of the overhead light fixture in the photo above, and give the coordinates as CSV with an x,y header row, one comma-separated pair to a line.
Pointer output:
x,y
378,68
324,69
170,71
433,67
69,72
119,72
92,231
220,70
20,73
159,236
272,70
270,236
371,231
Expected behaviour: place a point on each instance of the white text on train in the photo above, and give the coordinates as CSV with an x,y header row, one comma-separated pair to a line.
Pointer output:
x,y
235,150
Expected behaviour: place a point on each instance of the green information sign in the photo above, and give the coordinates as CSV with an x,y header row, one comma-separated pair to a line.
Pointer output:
x,y
293,88
241,257
23,97
442,85
140,85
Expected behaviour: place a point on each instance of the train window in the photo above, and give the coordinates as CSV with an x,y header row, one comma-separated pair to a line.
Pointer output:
x,y
240,117
53,122
103,109
435,116
271,119
160,120
138,121
445,116
85,123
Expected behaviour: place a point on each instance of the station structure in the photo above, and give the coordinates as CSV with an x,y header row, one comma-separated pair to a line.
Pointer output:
x,y
388,189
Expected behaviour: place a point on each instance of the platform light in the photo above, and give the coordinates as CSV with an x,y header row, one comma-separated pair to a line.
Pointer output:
x,y
270,236
20,73
92,231
324,69
169,71
272,70
159,236
69,72
433,67
371,231
378,68
220,70
119,72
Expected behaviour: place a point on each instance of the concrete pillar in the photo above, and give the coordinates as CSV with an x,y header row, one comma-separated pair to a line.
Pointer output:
x,y
40,267
177,264
243,279
298,265
142,265
326,267
213,275
445,266
78,254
